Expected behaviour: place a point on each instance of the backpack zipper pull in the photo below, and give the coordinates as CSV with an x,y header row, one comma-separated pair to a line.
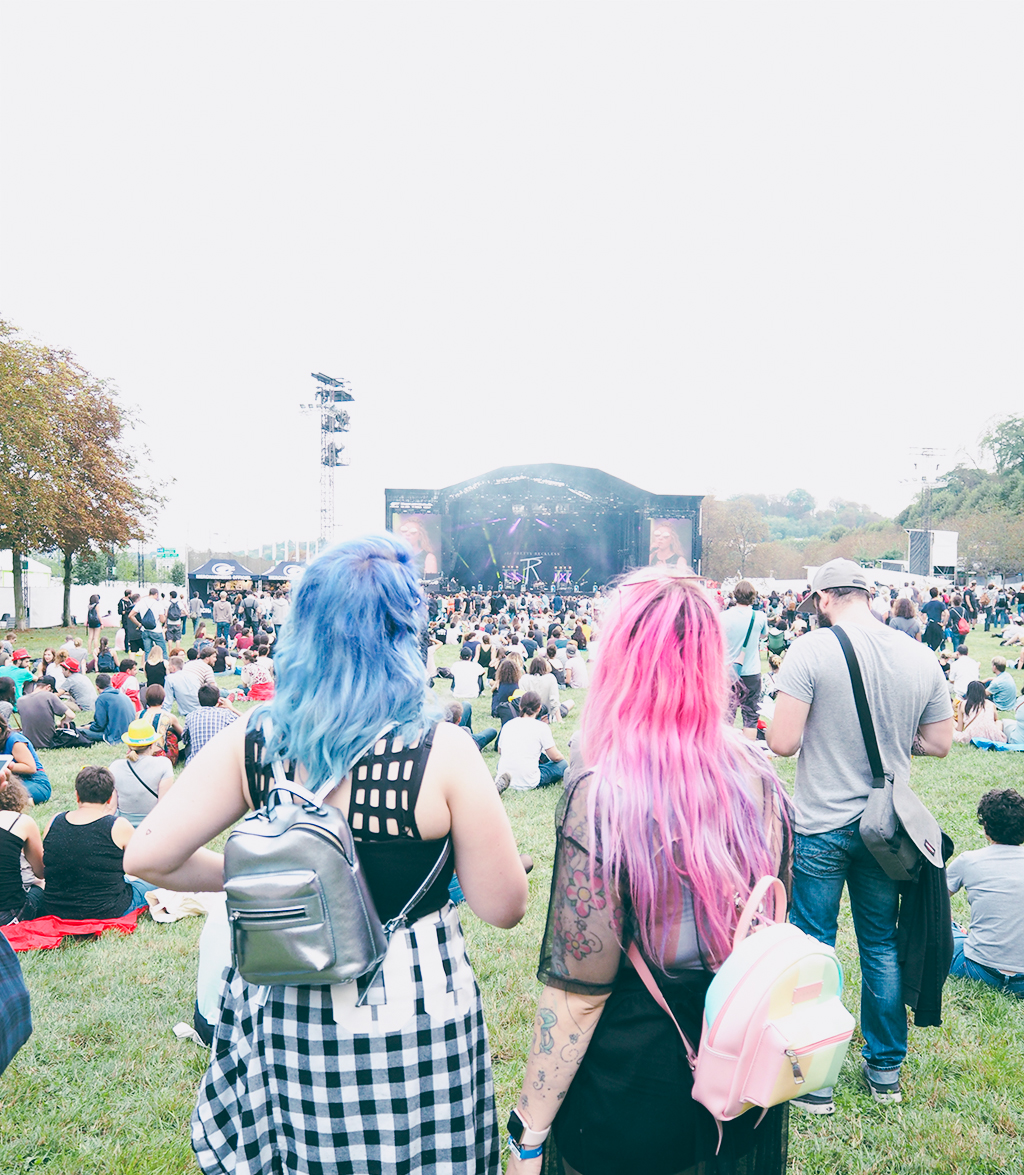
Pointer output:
x,y
798,1076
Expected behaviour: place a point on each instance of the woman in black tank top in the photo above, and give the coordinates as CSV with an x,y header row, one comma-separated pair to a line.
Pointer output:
x,y
352,706
18,833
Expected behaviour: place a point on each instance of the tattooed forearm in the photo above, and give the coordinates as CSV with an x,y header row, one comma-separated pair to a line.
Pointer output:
x,y
546,1020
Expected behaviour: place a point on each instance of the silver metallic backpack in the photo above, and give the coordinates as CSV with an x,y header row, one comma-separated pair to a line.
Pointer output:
x,y
297,901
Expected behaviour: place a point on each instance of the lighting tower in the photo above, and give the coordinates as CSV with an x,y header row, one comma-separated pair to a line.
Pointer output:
x,y
333,421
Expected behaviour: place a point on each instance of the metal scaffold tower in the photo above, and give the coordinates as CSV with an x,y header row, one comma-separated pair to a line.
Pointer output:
x,y
333,422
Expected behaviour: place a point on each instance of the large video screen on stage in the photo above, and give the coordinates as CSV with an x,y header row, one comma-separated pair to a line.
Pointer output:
x,y
423,533
670,542
530,550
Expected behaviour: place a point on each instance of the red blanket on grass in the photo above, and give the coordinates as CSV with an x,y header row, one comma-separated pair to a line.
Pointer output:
x,y
40,934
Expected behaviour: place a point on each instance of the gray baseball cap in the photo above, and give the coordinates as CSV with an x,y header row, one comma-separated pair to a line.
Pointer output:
x,y
836,573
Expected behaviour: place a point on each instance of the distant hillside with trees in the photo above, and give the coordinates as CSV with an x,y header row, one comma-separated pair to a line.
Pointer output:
x,y
757,535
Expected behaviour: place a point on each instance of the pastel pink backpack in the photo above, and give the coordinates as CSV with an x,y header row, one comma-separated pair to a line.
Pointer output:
x,y
774,1024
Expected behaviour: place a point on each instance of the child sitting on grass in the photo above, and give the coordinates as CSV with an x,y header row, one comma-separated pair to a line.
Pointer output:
x,y
992,951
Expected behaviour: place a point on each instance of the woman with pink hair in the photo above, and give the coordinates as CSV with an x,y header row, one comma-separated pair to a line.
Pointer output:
x,y
669,819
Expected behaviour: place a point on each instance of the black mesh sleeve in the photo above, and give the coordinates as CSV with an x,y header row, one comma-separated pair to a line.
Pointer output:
x,y
581,951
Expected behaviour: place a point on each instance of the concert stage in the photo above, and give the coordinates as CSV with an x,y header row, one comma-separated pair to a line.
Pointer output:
x,y
544,525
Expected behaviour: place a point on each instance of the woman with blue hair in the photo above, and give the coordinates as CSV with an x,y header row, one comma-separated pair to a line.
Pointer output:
x,y
302,1080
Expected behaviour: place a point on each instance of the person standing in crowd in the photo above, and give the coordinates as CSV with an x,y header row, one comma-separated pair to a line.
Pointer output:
x,y
94,624
744,627
151,617
176,616
281,608
688,817
222,614
815,714
195,611
353,645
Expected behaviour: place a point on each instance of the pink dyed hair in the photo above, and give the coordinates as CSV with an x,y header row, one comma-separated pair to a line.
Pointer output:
x,y
670,796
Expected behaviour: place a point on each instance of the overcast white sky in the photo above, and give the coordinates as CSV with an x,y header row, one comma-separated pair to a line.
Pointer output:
x,y
706,247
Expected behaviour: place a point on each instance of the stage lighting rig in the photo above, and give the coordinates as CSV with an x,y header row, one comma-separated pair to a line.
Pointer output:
x,y
328,393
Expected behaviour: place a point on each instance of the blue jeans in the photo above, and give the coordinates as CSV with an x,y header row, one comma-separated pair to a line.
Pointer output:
x,y
551,772
485,737
151,637
823,863
967,969
223,628
139,890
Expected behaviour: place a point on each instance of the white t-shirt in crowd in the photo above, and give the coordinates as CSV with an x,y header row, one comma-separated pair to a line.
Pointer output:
x,y
520,745
962,671
466,675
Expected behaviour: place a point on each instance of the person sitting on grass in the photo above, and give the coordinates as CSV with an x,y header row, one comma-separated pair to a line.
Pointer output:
x,y
467,676
113,715
977,718
576,673
459,715
127,683
541,681
528,757
26,764
992,950
83,852
169,729
8,697
142,777
257,677
1001,687
213,715
105,660
18,834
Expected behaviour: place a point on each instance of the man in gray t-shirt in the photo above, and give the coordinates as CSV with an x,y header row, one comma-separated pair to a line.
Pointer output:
x,y
815,714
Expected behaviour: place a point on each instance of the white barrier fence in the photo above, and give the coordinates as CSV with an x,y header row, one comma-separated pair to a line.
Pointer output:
x,y
46,602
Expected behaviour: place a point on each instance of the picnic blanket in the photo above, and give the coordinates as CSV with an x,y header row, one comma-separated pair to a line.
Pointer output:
x,y
41,934
987,745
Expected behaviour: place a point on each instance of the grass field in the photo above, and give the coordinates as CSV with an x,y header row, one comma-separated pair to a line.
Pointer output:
x,y
104,1088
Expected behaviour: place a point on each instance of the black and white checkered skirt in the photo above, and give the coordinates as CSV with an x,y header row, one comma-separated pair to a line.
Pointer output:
x,y
302,1082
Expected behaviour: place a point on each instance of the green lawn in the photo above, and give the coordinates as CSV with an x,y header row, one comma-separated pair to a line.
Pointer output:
x,y
104,1088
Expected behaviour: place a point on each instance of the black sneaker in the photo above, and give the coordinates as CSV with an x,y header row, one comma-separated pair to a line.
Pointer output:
x,y
815,1103
884,1093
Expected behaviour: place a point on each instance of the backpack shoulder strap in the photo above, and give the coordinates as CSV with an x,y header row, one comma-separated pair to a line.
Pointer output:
x,y
641,968
257,774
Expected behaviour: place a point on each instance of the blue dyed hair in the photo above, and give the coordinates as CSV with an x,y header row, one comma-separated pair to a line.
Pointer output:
x,y
349,660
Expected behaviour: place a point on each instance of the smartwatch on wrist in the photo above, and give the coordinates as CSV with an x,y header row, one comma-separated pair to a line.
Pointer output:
x,y
524,1142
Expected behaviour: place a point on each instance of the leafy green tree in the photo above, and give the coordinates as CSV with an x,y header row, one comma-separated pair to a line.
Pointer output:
x,y
1006,444
178,574
89,567
30,451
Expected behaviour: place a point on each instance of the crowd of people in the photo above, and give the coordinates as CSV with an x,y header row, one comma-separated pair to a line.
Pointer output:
x,y
669,816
